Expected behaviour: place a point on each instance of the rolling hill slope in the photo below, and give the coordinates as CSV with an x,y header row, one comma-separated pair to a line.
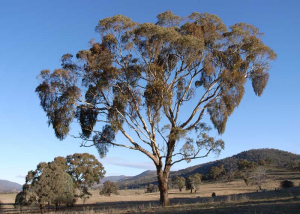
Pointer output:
x,y
280,158
8,186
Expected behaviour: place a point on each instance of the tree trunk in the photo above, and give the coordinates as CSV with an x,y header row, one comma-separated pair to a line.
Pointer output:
x,y
163,187
42,208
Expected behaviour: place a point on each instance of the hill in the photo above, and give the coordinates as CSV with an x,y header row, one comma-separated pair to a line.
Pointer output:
x,y
280,159
114,178
8,186
146,177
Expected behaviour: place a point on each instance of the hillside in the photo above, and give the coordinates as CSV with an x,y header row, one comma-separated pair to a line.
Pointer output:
x,y
280,159
114,178
8,186
146,177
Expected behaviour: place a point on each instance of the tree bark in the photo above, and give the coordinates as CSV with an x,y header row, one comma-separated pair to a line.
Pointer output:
x,y
42,208
163,187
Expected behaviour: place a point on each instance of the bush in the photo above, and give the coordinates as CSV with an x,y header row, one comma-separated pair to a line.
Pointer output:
x,y
286,184
151,188
213,194
109,188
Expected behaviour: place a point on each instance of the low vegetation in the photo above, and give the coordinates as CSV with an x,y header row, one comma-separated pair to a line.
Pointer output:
x,y
286,184
109,188
151,188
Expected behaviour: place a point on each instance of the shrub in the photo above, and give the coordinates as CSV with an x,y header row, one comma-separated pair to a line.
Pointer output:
x,y
151,188
213,194
109,188
286,184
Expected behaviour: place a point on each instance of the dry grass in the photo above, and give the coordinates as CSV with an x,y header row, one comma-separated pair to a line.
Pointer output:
x,y
232,197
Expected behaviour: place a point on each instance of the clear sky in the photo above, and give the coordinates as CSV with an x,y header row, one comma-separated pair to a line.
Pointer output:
x,y
35,34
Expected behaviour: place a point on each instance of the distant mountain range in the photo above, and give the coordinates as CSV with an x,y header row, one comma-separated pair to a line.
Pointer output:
x,y
279,157
8,186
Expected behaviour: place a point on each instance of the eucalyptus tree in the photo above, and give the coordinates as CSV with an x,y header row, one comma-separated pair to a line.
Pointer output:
x,y
179,182
157,80
85,171
193,182
109,188
50,185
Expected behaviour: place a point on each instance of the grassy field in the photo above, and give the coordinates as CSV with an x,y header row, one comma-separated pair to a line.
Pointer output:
x,y
232,197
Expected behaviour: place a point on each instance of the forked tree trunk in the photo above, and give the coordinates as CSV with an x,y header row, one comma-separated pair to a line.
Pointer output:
x,y
162,178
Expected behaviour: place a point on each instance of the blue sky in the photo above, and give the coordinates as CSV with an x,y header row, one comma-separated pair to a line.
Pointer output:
x,y
35,34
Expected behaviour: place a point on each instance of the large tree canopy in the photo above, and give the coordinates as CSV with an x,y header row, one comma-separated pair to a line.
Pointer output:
x,y
158,80
50,184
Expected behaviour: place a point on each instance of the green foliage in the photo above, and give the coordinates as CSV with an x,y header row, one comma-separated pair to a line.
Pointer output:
x,y
245,165
109,188
216,171
294,165
151,188
286,184
85,171
262,162
193,182
179,182
49,183
56,182
247,181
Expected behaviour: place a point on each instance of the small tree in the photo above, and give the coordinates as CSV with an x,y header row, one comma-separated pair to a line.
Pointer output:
x,y
262,162
286,184
294,165
109,188
151,188
247,181
259,176
193,182
268,161
179,182
215,172
243,164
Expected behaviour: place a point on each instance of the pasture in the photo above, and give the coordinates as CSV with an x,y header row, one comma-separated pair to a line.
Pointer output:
x,y
232,197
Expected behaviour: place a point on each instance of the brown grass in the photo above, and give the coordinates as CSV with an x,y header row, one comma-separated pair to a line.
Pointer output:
x,y
232,197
